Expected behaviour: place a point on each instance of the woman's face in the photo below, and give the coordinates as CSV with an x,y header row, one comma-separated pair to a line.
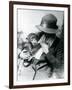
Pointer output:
x,y
43,37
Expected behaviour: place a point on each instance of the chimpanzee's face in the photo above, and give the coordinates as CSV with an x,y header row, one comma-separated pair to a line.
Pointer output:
x,y
34,41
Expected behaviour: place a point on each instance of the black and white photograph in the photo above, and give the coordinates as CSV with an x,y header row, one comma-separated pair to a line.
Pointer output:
x,y
40,44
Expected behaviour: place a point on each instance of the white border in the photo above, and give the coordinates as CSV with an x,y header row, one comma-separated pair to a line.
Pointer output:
x,y
65,45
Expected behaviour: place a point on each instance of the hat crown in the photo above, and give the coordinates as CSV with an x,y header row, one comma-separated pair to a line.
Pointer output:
x,y
49,21
50,17
48,24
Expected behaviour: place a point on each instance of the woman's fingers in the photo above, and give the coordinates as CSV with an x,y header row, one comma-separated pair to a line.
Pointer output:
x,y
42,39
45,48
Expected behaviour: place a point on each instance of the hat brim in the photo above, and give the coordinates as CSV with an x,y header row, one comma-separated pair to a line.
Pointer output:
x,y
47,30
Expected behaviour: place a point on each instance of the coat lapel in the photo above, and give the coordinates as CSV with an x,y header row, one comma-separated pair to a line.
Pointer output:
x,y
54,45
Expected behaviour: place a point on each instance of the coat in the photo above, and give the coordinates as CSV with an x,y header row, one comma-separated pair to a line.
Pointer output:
x,y
55,57
56,54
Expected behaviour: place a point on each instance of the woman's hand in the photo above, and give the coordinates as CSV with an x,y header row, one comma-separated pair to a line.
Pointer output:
x,y
44,46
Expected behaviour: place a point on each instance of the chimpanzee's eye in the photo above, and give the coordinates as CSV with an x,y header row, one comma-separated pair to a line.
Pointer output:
x,y
25,51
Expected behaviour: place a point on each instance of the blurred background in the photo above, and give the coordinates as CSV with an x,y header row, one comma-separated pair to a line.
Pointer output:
x,y
28,19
